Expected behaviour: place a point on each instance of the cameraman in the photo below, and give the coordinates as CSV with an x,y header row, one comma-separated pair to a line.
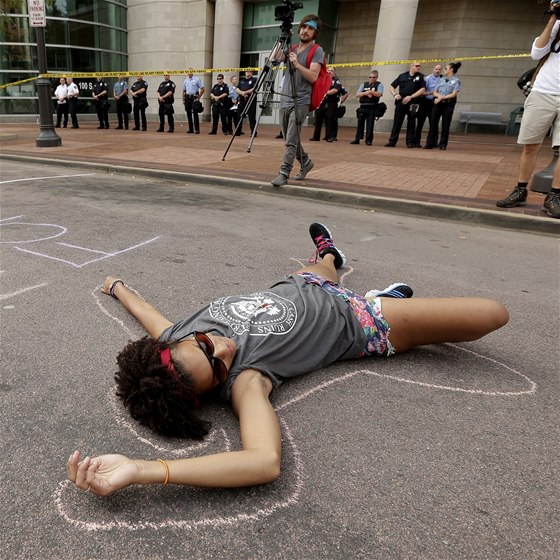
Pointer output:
x,y
542,110
294,105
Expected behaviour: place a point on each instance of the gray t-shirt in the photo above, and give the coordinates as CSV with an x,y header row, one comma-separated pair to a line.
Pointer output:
x,y
288,330
303,87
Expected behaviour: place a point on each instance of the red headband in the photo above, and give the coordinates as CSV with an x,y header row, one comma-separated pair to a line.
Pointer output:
x,y
167,363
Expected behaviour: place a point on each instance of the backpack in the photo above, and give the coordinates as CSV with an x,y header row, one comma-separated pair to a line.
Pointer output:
x,y
322,83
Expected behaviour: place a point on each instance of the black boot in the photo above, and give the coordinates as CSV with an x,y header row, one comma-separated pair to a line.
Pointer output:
x,y
517,197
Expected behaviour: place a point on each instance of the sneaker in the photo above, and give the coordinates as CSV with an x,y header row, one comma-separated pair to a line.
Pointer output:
x,y
305,169
398,291
280,181
517,197
323,241
551,205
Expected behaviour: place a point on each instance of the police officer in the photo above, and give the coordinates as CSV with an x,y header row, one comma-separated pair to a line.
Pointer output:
x,y
165,92
445,98
220,105
245,89
120,93
327,110
101,100
368,95
73,93
411,87
193,90
139,91
427,102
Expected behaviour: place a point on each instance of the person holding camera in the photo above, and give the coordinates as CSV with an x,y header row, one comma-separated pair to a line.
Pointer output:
x,y
541,111
166,91
369,93
193,90
139,90
411,87
296,97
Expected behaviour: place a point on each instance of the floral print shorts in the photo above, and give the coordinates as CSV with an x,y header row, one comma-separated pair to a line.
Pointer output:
x,y
368,313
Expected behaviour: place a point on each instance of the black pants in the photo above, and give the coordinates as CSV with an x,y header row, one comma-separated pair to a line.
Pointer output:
x,y
251,112
424,115
72,107
139,112
122,113
402,111
444,111
166,111
62,111
102,110
326,113
192,116
366,118
219,113
232,120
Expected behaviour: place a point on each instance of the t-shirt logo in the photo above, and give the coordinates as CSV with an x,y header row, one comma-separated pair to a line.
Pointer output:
x,y
260,313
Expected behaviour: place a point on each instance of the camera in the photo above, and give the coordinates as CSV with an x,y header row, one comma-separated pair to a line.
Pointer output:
x,y
285,12
554,8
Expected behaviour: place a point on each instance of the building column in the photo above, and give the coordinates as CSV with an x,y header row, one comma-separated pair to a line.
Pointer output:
x,y
393,40
228,27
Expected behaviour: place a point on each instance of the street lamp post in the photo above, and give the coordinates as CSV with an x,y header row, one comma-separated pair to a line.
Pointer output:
x,y
47,138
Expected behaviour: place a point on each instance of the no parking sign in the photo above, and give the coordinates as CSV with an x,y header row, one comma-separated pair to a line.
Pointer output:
x,y
37,13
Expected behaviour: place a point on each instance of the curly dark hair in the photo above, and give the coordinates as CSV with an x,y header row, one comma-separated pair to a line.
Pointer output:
x,y
150,394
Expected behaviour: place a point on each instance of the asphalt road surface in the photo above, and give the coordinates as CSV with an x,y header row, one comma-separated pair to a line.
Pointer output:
x,y
443,453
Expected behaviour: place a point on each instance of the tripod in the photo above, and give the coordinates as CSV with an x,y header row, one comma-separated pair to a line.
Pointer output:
x,y
265,83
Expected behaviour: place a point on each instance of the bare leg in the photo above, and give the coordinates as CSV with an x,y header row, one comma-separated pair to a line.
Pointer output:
x,y
325,268
528,162
415,322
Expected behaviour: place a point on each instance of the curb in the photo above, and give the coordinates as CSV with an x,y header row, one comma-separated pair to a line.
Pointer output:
x,y
430,210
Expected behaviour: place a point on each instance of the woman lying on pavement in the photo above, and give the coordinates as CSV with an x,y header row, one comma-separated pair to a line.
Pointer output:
x,y
243,347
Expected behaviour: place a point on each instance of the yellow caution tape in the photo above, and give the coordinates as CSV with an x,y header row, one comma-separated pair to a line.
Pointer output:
x,y
254,69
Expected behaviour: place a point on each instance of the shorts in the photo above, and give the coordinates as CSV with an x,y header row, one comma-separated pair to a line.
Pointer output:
x,y
539,114
368,313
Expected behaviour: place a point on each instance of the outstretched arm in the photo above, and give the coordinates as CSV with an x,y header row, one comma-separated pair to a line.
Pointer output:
x,y
148,316
257,463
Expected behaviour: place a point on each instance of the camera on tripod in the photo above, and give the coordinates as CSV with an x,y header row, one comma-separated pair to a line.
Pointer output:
x,y
285,12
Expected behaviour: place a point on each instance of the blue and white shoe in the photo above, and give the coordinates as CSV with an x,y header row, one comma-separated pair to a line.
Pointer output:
x,y
322,238
398,291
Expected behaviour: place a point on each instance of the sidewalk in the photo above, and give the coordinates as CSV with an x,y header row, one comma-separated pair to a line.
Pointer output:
x,y
475,170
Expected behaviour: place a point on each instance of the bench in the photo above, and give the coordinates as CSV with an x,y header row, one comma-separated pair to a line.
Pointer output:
x,y
476,117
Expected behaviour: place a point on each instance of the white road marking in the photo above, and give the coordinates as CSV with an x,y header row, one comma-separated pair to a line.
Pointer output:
x,y
42,178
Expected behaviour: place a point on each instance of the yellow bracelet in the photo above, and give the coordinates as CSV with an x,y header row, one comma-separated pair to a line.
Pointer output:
x,y
164,463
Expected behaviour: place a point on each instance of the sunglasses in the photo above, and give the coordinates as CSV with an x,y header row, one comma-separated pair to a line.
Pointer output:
x,y
219,369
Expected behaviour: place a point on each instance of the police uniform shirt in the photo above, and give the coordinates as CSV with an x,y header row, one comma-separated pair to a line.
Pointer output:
x,y
100,87
407,84
191,86
220,89
247,83
335,84
73,91
165,87
120,88
431,83
448,85
140,84
368,86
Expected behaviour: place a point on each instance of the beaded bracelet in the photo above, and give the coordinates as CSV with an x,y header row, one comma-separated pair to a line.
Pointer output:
x,y
164,463
112,287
